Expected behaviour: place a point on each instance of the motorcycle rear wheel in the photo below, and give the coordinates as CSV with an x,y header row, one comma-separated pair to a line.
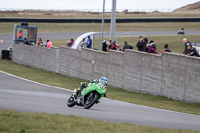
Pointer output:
x,y
71,101
90,101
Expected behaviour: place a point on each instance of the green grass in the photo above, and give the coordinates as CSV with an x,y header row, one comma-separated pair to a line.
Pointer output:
x,y
86,27
175,42
113,93
18,122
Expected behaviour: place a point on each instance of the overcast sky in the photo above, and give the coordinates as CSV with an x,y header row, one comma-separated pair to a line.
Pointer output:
x,y
94,4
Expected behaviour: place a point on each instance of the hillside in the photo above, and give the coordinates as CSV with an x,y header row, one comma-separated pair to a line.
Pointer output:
x,y
193,8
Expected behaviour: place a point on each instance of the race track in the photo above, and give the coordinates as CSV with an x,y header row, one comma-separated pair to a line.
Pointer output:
x,y
8,38
27,96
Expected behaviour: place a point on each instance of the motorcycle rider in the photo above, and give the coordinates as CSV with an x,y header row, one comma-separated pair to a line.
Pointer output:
x,y
102,82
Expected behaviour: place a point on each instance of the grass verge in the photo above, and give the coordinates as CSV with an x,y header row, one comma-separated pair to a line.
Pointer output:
x,y
113,93
75,14
88,27
175,42
18,122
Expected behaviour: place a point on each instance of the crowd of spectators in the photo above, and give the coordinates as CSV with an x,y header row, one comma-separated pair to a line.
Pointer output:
x,y
142,45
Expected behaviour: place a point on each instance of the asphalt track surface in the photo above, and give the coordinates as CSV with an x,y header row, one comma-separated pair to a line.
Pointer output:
x,y
8,38
27,96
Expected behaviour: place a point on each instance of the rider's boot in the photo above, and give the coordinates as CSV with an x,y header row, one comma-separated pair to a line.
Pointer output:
x,y
76,91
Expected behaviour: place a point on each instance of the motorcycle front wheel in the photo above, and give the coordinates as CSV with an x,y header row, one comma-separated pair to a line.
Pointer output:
x,y
71,102
90,100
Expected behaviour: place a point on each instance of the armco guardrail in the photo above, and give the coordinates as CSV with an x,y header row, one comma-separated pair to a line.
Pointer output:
x,y
77,20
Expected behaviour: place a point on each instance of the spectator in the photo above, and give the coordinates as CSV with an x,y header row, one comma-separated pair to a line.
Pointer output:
x,y
19,35
110,44
41,42
83,43
186,43
89,42
114,46
49,44
26,42
71,43
191,51
166,48
140,43
105,46
145,44
127,46
151,49
153,44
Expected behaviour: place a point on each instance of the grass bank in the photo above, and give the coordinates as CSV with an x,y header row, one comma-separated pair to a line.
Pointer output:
x,y
175,42
87,27
18,122
113,93
79,14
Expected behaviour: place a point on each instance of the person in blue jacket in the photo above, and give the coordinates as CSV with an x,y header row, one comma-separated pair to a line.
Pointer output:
x,y
89,42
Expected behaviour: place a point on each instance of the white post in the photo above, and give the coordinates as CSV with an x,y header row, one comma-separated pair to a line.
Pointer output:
x,y
113,20
102,26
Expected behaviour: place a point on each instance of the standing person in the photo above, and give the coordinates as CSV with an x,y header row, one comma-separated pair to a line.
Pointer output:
x,y
140,43
145,44
19,35
127,46
83,43
151,49
153,44
186,43
192,51
49,44
105,46
89,42
166,48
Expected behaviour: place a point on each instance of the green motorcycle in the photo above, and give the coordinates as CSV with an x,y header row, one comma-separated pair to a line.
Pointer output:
x,y
89,95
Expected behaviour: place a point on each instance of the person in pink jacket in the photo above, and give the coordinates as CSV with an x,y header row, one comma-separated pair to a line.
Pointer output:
x,y
151,49
49,44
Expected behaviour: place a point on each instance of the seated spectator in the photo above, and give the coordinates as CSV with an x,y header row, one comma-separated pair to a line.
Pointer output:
x,y
71,43
166,48
151,49
127,46
41,42
153,44
145,44
114,46
49,44
105,46
191,51
26,42
140,43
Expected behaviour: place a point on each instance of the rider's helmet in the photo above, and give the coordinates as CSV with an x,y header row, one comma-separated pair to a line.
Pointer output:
x,y
104,81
